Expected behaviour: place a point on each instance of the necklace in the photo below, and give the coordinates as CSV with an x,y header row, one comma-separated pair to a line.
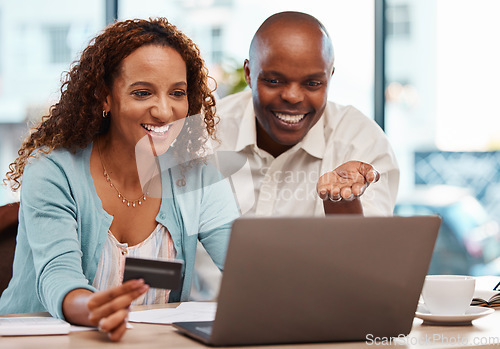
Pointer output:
x,y
125,201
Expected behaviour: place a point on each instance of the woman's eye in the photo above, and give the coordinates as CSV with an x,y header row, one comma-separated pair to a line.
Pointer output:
x,y
141,93
179,93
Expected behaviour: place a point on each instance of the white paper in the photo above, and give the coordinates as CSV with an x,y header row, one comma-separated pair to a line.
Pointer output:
x,y
485,285
188,311
78,328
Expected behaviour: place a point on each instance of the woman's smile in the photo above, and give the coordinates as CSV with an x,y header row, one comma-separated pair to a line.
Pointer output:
x,y
155,130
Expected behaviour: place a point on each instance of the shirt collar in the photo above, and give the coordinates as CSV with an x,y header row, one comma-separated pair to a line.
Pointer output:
x,y
247,134
314,141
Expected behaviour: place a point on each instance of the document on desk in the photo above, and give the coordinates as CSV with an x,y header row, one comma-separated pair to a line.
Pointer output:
x,y
487,291
188,311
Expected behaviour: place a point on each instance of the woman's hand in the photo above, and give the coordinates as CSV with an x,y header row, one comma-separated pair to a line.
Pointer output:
x,y
108,309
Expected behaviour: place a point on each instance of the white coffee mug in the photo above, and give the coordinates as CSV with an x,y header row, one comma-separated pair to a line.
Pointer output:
x,y
448,294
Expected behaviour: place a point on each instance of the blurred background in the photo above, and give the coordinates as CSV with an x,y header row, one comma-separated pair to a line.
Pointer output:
x,y
427,71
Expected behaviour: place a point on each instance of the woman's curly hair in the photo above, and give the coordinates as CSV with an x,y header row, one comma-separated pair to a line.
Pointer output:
x,y
76,119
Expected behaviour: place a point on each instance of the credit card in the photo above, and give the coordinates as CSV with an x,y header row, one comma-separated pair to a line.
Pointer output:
x,y
156,273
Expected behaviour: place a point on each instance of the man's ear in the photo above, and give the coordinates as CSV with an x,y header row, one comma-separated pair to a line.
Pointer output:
x,y
246,68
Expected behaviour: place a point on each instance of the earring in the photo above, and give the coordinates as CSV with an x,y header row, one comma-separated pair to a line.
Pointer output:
x,y
105,114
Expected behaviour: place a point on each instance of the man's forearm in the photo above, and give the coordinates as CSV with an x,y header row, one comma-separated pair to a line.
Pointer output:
x,y
343,207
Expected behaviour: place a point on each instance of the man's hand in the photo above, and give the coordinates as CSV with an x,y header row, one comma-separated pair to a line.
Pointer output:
x,y
341,188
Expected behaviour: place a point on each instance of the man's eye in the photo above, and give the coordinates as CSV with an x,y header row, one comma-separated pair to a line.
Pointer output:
x,y
141,93
314,83
272,81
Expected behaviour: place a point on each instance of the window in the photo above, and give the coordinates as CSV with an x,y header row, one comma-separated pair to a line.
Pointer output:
x,y
38,41
223,30
217,50
59,51
441,101
398,20
1,55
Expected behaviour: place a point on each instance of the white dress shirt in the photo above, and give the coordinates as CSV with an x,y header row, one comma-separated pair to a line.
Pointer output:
x,y
286,185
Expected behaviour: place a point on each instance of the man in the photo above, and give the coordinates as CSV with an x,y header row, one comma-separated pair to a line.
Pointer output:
x,y
293,138
307,156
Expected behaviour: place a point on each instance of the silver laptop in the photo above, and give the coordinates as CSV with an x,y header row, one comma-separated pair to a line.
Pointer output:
x,y
304,280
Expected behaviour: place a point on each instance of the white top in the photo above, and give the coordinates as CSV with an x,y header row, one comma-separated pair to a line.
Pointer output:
x,y
286,185
158,245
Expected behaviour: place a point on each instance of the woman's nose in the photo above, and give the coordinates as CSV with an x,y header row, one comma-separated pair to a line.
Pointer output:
x,y
162,110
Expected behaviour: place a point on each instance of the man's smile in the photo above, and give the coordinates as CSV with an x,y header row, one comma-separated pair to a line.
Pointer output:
x,y
290,118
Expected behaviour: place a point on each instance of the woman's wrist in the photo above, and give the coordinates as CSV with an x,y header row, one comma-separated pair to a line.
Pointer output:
x,y
75,307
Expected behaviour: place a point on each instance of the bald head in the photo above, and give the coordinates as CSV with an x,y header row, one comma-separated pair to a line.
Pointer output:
x,y
289,71
297,27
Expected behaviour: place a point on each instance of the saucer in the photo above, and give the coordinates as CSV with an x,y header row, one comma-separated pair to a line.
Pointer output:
x,y
451,320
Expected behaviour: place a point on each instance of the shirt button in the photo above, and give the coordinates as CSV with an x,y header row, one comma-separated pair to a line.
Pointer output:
x,y
163,216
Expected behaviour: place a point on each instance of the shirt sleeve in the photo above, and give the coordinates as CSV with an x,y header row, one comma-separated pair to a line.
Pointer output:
x,y
379,198
50,214
359,138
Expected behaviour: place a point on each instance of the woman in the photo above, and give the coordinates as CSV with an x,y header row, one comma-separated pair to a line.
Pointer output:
x,y
83,203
